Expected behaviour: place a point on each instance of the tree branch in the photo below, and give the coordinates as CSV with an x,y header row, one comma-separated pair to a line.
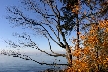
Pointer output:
x,y
32,45
32,22
15,54
51,48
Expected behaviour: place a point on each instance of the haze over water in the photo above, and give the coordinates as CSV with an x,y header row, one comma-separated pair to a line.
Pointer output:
x,y
15,64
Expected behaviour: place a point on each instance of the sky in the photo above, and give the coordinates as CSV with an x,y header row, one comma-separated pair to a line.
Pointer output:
x,y
7,30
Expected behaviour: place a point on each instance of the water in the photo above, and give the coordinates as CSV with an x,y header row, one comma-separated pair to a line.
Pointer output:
x,y
15,64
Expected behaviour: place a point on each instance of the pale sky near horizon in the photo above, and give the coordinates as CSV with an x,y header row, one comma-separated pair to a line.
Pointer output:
x,y
6,29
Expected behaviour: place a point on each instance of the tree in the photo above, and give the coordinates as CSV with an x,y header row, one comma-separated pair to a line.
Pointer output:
x,y
61,19
98,36
52,19
93,56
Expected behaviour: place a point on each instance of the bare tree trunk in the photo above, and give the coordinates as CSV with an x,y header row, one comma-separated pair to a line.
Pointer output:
x,y
69,55
68,50
77,24
97,54
77,34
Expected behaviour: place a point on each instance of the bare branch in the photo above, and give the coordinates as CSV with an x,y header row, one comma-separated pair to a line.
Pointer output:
x,y
26,57
51,5
32,22
51,48
32,44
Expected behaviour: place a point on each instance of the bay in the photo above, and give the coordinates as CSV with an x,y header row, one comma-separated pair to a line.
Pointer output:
x,y
16,64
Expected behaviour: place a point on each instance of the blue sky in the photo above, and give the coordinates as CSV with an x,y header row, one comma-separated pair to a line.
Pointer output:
x,y
6,30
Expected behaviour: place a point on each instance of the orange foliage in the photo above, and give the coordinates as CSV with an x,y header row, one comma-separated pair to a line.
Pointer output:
x,y
94,54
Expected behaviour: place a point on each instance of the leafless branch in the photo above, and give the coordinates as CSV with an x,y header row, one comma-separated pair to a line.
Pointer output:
x,y
32,22
51,47
26,57
32,44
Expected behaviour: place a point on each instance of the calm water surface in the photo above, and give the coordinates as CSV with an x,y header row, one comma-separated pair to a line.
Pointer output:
x,y
15,64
